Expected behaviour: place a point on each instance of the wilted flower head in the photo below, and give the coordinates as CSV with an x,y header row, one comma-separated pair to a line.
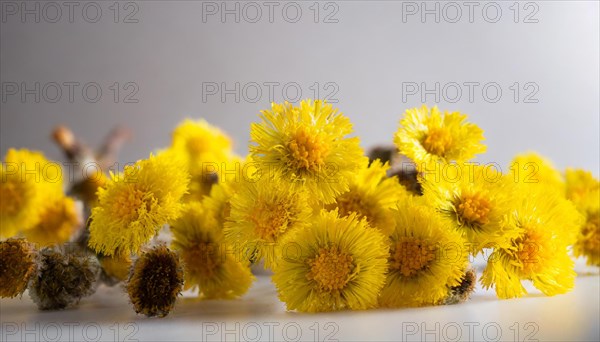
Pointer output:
x,y
155,281
17,266
463,291
66,274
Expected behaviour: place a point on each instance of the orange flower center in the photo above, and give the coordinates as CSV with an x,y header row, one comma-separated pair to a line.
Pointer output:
x,y
411,255
473,209
331,269
438,141
533,248
270,219
202,259
128,204
308,151
351,202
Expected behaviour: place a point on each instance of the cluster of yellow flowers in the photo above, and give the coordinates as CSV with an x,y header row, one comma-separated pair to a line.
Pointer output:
x,y
337,230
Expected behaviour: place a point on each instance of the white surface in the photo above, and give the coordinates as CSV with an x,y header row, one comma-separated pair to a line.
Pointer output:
x,y
107,316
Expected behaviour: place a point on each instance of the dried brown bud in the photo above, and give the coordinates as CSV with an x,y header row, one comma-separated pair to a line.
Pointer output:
x,y
155,282
66,275
17,265
409,179
385,153
462,292
400,166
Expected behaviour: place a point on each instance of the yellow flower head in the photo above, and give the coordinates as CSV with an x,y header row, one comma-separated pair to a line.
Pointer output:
x,y
533,169
262,213
472,199
427,137
372,195
588,240
582,188
136,204
206,150
335,264
59,221
208,261
539,252
27,178
307,146
426,258
584,191
201,142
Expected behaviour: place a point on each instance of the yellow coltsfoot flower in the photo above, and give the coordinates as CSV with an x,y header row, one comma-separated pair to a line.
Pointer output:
x,y
136,204
308,147
472,199
372,195
27,179
208,261
198,142
427,257
588,240
582,188
535,170
427,137
203,148
539,252
58,223
584,191
337,263
262,213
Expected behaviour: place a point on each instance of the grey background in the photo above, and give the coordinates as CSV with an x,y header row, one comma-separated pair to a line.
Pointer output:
x,y
368,53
